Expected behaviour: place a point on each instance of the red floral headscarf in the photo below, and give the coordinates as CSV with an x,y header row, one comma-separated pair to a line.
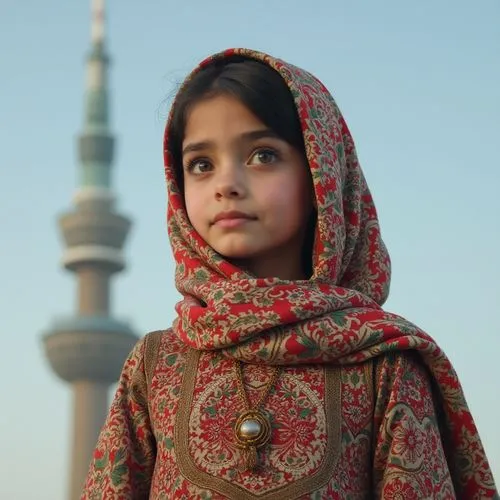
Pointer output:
x,y
335,316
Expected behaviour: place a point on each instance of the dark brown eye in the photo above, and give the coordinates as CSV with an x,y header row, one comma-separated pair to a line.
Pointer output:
x,y
264,156
199,166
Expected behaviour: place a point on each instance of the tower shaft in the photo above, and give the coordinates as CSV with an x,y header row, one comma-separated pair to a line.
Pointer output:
x,y
90,405
93,291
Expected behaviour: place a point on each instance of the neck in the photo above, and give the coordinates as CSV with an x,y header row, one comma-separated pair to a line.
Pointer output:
x,y
274,266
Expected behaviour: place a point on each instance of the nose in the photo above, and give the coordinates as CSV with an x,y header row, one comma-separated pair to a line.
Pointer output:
x,y
230,183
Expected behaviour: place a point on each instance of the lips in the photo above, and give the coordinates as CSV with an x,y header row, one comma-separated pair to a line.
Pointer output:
x,y
232,215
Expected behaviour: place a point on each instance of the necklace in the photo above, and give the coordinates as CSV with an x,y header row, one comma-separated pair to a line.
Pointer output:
x,y
252,429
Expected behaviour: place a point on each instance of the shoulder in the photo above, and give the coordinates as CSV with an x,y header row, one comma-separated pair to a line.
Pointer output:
x,y
162,342
162,335
400,364
158,343
162,351
154,358
403,381
153,348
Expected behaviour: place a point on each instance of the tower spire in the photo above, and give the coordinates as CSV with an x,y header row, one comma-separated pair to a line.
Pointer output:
x,y
96,145
88,348
98,22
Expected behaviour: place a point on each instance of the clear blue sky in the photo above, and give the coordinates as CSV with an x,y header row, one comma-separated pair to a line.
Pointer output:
x,y
419,84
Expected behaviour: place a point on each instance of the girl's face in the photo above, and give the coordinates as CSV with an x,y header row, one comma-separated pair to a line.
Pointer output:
x,y
248,193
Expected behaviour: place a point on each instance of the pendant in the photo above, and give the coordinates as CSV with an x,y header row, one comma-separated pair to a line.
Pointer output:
x,y
252,430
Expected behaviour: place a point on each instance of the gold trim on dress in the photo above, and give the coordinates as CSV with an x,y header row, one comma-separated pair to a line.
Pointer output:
x,y
309,484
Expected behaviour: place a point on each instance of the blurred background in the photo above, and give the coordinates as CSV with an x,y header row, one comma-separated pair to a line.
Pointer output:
x,y
419,85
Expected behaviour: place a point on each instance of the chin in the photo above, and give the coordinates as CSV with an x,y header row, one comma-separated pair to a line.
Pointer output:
x,y
237,255
235,252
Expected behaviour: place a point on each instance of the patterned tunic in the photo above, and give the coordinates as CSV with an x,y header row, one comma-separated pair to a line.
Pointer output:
x,y
346,432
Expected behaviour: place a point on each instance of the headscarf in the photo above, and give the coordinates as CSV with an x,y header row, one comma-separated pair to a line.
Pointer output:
x,y
335,316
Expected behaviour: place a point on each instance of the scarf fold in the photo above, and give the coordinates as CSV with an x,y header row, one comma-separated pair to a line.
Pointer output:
x,y
336,315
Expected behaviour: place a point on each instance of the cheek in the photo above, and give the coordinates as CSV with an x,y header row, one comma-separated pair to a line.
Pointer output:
x,y
288,199
194,207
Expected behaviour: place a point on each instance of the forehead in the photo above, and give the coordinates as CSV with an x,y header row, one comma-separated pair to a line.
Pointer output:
x,y
218,117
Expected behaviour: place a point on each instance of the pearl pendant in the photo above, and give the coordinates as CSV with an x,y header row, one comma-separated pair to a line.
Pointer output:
x,y
252,428
249,429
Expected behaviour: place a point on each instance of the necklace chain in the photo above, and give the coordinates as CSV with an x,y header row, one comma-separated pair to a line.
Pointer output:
x,y
252,429
265,393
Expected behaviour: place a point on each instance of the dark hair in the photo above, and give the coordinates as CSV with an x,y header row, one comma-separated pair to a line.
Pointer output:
x,y
260,88
263,91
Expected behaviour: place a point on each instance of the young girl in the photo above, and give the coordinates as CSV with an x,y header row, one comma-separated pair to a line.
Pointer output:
x,y
281,377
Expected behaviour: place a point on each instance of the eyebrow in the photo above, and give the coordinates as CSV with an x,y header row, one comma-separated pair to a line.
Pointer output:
x,y
253,135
